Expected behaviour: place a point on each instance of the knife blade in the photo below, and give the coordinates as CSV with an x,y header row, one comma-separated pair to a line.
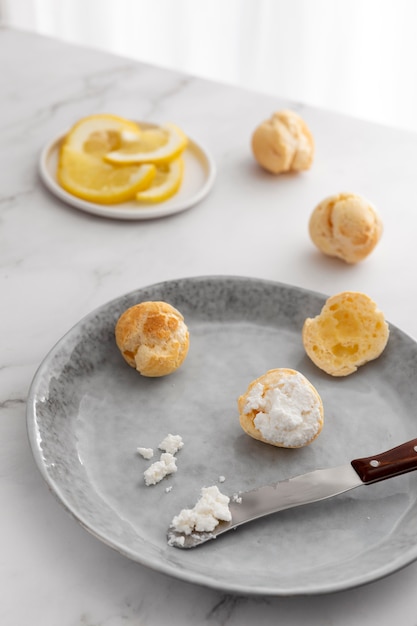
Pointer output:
x,y
320,484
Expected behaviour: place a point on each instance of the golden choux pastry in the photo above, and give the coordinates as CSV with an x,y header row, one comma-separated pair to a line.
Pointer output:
x,y
153,338
345,226
283,143
349,331
282,408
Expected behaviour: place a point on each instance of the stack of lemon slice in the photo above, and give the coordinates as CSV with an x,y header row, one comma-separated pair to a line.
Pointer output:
x,y
108,159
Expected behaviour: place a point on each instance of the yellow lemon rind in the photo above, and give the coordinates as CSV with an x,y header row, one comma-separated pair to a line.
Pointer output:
x,y
81,130
166,190
176,144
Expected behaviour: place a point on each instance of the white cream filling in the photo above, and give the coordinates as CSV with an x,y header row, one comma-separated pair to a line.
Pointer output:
x,y
288,414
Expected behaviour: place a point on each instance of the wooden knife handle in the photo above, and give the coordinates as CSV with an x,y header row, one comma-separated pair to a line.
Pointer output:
x,y
399,460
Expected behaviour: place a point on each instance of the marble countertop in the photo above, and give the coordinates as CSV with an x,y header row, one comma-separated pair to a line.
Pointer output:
x,y
57,264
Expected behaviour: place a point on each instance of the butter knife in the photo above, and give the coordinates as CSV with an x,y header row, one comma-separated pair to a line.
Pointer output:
x,y
317,485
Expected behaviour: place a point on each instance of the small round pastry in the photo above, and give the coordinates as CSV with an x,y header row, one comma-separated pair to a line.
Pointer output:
x,y
282,408
346,226
153,338
283,143
349,332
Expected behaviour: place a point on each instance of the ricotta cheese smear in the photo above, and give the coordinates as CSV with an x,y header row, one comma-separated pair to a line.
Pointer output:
x,y
211,508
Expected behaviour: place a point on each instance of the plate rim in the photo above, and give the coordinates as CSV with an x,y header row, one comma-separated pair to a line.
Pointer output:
x,y
201,153
165,567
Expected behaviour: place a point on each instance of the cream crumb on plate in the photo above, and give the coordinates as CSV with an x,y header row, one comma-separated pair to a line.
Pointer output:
x,y
158,470
146,453
171,443
166,465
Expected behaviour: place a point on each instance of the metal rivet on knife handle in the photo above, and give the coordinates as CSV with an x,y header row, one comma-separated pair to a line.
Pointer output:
x,y
394,462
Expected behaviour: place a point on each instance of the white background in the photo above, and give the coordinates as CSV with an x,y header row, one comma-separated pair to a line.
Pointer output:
x,y
352,56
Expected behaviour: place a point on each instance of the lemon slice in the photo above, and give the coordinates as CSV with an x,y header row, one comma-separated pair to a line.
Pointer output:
x,y
101,133
159,145
166,183
90,178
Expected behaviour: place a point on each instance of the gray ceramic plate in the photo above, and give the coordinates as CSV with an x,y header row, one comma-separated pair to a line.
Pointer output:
x,y
88,412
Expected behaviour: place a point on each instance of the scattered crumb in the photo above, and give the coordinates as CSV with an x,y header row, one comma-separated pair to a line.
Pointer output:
x,y
158,470
236,498
167,463
171,444
168,489
222,479
147,453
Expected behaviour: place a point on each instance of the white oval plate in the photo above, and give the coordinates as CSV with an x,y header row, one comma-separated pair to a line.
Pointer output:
x,y
88,411
199,176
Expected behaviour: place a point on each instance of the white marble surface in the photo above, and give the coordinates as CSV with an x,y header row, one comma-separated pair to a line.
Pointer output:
x,y
57,264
